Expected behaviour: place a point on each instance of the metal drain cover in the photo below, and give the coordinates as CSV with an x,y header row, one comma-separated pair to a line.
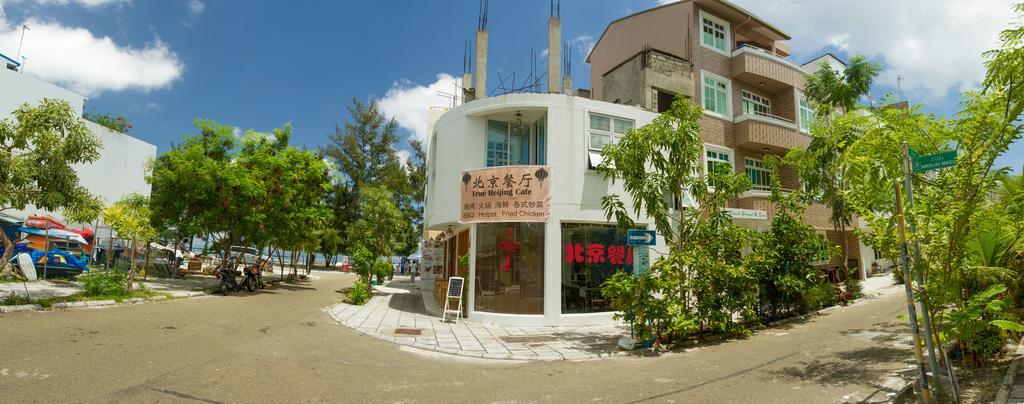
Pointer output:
x,y
408,331
528,339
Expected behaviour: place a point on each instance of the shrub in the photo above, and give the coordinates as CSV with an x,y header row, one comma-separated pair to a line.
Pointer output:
x,y
853,284
359,293
383,269
818,297
100,283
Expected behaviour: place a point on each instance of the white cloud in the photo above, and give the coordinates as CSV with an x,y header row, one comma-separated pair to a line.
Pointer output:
x,y
935,45
408,102
195,9
150,105
403,156
583,43
88,64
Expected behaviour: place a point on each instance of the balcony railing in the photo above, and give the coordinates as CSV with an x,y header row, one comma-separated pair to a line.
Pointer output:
x,y
765,53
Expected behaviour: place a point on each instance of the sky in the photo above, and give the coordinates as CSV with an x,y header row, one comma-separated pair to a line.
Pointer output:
x,y
261,64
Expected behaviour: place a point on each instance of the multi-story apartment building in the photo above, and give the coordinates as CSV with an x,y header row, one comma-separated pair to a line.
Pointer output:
x,y
736,66
513,203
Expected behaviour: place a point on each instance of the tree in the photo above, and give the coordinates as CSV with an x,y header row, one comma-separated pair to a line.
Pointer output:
x,y
196,186
703,278
381,227
782,257
363,152
130,218
37,150
255,192
821,167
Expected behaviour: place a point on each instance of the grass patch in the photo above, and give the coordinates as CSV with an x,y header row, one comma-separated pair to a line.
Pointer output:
x,y
47,302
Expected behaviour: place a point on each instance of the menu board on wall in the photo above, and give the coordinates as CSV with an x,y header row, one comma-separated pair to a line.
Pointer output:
x,y
506,194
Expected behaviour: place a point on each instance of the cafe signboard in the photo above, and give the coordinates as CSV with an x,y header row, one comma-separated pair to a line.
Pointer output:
x,y
506,194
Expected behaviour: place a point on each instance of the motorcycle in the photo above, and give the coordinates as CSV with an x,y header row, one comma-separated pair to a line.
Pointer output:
x,y
226,274
253,279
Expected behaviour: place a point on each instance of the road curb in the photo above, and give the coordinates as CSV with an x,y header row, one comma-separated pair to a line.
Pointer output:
x,y
1003,396
20,308
98,303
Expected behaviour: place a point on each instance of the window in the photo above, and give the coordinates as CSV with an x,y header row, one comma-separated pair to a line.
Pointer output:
x,y
715,157
760,176
510,144
756,104
509,268
715,33
806,114
665,101
878,254
591,254
604,130
716,94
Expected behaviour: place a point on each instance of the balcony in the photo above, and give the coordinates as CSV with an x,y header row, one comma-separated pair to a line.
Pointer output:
x,y
768,133
766,70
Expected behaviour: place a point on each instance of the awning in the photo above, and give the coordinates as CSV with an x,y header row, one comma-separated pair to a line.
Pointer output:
x,y
55,234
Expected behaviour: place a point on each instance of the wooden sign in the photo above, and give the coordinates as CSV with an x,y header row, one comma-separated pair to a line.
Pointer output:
x,y
506,194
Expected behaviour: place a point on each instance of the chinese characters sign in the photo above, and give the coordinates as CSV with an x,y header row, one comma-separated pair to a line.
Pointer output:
x,y
506,194
597,253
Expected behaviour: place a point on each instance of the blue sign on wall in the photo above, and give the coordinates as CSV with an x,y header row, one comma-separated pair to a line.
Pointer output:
x,y
641,237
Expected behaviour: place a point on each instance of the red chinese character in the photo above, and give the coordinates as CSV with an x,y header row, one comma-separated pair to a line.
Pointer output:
x,y
573,253
616,254
629,256
595,252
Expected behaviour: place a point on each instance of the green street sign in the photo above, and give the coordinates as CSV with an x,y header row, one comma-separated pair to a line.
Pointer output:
x,y
933,161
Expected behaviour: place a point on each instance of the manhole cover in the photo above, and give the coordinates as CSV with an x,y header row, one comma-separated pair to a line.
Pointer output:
x,y
527,339
408,331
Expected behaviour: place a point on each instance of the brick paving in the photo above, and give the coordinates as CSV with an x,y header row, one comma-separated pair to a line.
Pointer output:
x,y
400,307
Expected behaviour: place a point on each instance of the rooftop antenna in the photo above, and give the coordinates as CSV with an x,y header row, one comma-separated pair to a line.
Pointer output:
x,y
22,41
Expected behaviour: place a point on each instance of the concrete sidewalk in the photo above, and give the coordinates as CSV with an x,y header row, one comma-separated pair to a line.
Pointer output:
x,y
398,314
48,288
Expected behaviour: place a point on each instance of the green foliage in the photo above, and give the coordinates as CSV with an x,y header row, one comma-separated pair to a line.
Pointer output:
x,y
781,257
635,299
818,297
365,156
37,151
359,294
361,261
256,191
981,325
130,218
383,269
104,283
381,225
116,123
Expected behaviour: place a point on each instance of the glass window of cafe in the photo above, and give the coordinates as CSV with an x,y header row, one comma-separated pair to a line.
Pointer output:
x,y
510,268
591,254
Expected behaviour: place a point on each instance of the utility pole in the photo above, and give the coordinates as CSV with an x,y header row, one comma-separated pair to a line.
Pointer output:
x,y
911,308
919,279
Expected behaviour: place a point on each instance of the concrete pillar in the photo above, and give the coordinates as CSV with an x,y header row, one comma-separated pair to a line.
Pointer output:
x,y
554,54
467,85
481,64
567,85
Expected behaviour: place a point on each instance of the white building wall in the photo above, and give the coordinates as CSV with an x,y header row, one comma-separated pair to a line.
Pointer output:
x,y
459,144
121,167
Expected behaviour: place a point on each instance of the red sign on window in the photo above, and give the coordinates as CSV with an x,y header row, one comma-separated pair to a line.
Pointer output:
x,y
597,253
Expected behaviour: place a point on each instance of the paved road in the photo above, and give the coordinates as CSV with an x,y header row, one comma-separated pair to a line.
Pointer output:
x,y
280,346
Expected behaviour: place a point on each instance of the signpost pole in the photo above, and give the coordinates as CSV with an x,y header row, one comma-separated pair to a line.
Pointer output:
x,y
911,308
919,279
